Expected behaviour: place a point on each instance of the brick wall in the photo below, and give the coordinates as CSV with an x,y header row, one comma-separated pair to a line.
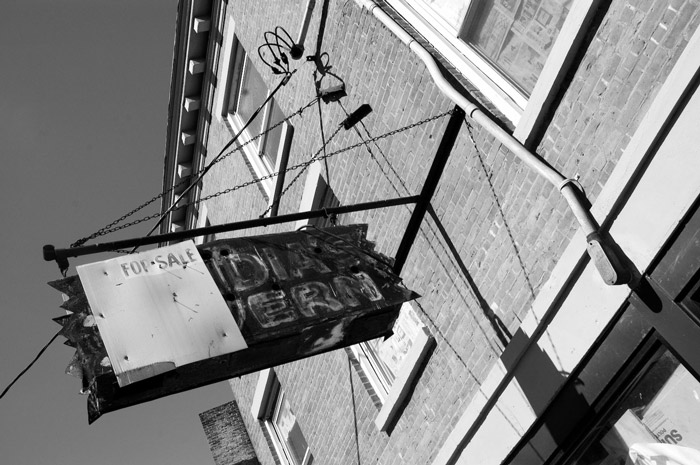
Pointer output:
x,y
508,226
227,436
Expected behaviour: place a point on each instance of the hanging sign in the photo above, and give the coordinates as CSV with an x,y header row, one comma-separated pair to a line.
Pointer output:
x,y
181,317
158,310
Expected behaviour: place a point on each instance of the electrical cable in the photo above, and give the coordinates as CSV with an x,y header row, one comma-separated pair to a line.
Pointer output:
x,y
109,229
43,349
371,153
323,142
303,167
283,82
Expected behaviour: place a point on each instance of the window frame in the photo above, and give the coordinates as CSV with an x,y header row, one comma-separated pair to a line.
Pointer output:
x,y
265,407
655,316
451,35
525,116
390,399
261,167
625,383
277,437
398,394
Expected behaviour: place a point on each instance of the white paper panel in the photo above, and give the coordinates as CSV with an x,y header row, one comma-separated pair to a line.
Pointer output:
x,y
158,310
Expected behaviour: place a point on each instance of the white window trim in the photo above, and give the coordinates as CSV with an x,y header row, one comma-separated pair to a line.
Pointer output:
x,y
525,114
312,194
396,396
260,167
470,57
201,222
664,192
268,394
279,444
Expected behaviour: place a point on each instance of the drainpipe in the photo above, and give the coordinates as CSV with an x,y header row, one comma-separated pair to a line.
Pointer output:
x,y
603,256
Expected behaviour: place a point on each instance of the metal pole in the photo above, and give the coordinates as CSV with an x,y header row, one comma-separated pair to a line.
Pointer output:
x,y
61,255
431,182
605,257
199,177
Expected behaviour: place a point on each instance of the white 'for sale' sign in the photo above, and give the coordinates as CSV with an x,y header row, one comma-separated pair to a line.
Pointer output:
x,y
157,310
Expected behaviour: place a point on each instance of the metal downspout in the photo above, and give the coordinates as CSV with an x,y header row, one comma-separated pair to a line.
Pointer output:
x,y
604,258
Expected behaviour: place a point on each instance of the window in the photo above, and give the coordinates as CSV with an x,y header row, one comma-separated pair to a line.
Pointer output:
x,y
266,141
272,407
657,421
202,222
388,367
283,423
514,51
381,359
512,37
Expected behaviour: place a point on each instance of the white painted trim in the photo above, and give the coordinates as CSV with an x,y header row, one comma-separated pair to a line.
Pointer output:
x,y
524,113
402,385
197,66
188,138
234,122
261,397
505,104
252,154
222,82
262,404
556,66
279,452
447,38
192,103
662,193
201,221
391,392
377,386
423,342
202,24
311,192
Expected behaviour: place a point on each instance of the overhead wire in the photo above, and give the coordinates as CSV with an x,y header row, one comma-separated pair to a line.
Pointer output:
x,y
323,143
43,349
302,165
280,65
112,227
316,157
257,111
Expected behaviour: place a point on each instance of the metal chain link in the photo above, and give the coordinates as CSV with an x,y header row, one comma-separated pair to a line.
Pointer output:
x,y
110,228
250,141
329,155
306,164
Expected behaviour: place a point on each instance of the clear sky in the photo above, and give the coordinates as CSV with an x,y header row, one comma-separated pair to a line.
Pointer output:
x,y
84,97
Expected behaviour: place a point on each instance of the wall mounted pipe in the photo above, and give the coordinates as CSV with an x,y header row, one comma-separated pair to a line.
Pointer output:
x,y
604,258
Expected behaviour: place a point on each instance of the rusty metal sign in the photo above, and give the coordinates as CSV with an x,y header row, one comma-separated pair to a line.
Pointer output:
x,y
291,295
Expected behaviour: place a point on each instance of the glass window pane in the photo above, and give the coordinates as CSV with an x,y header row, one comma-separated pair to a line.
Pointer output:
x,y
658,422
274,137
516,36
290,432
253,93
239,59
386,356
